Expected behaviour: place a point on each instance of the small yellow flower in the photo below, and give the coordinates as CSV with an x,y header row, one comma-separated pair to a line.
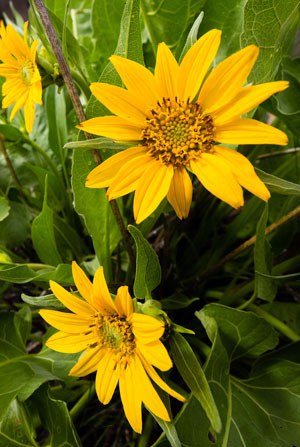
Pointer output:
x,y
23,81
177,117
118,343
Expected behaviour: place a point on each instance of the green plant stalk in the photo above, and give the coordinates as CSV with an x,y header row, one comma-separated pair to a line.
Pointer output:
x,y
11,168
82,402
277,324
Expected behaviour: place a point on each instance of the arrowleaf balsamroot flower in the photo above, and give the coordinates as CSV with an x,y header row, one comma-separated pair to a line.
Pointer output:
x,y
119,343
180,117
23,81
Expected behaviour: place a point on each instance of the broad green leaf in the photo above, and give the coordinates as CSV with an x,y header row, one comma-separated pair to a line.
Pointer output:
x,y
97,143
15,228
177,302
61,364
278,185
22,273
193,375
4,208
265,286
192,36
16,427
148,273
43,237
43,301
289,313
169,431
272,27
23,323
10,132
56,419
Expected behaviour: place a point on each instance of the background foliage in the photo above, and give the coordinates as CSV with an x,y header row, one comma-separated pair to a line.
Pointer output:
x,y
230,276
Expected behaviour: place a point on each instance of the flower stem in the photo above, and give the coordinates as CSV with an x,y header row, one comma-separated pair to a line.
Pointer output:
x,y
277,324
249,242
66,74
81,403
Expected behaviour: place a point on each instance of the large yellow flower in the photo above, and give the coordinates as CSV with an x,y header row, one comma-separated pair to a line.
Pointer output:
x,y
119,343
177,117
23,81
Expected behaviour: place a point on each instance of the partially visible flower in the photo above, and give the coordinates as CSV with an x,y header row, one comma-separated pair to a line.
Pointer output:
x,y
23,81
119,343
178,117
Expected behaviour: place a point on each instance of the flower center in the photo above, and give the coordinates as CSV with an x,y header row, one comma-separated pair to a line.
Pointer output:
x,y
27,72
115,332
177,132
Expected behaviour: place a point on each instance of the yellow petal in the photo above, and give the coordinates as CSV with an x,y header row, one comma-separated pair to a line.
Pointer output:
x,y
217,177
180,192
196,62
131,397
139,81
112,127
119,101
107,377
166,72
149,396
158,380
29,114
155,353
244,172
151,189
88,362
246,100
227,79
66,322
69,343
73,303
83,284
123,302
18,105
128,176
147,329
248,131
104,174
101,295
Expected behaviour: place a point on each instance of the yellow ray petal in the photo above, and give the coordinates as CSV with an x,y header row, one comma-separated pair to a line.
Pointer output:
x,y
104,174
226,80
69,343
73,303
131,397
119,101
196,62
146,328
29,114
180,192
82,282
123,302
248,131
151,189
246,100
101,295
107,377
18,105
155,353
166,72
112,127
244,172
88,362
149,396
217,177
66,322
128,176
158,380
139,81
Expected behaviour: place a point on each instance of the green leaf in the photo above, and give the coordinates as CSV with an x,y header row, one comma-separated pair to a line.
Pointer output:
x,y
10,132
16,427
97,143
148,273
192,36
265,286
4,208
15,228
43,301
43,237
56,419
169,431
193,375
56,115
278,185
23,323
273,40
21,273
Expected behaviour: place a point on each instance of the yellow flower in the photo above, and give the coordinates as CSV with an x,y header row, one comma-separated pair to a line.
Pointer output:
x,y
177,117
23,81
120,344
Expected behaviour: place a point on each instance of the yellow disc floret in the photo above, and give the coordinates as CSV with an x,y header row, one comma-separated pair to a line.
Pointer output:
x,y
176,132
